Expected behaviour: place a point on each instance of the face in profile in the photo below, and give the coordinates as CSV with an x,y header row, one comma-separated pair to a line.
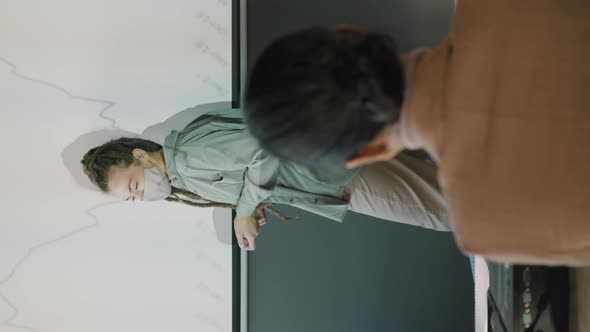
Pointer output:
x,y
127,182
142,180
129,169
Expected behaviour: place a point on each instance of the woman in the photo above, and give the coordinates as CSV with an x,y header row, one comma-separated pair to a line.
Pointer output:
x,y
215,161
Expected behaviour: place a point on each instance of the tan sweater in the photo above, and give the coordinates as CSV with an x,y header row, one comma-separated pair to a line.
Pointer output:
x,y
503,105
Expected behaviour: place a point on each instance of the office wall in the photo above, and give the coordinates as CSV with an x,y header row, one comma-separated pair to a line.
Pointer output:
x,y
364,274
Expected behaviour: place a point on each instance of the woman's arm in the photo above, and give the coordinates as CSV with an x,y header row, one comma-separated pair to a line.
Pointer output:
x,y
224,144
259,181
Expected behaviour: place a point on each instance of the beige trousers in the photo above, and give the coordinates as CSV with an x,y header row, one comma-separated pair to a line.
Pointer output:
x,y
581,299
403,190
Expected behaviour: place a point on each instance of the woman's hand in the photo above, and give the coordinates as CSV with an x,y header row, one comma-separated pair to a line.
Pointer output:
x,y
260,214
246,229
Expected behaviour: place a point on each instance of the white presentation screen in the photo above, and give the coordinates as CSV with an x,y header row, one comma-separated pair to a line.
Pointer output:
x,y
72,75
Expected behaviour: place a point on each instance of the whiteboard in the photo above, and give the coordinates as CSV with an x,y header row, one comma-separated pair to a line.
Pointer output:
x,y
72,75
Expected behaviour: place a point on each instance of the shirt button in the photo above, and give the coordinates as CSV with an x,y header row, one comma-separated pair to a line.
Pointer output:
x,y
315,201
291,199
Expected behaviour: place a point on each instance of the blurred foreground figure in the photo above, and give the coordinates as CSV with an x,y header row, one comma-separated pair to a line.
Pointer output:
x,y
501,105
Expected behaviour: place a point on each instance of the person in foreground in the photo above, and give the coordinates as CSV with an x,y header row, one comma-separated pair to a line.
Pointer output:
x,y
500,105
214,161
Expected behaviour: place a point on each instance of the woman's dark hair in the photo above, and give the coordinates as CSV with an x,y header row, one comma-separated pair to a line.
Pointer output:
x,y
321,95
192,199
98,161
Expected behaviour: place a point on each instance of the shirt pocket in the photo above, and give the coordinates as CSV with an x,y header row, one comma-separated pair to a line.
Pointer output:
x,y
232,177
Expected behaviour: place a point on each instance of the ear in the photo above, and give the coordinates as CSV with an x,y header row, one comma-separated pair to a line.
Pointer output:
x,y
357,33
384,147
371,154
141,156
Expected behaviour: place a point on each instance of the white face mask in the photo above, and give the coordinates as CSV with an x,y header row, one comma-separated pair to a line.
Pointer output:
x,y
156,185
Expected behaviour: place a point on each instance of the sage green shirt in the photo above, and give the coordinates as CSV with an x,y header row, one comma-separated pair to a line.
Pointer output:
x,y
216,157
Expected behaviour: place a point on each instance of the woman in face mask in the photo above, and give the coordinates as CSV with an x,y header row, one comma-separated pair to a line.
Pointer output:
x,y
215,162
